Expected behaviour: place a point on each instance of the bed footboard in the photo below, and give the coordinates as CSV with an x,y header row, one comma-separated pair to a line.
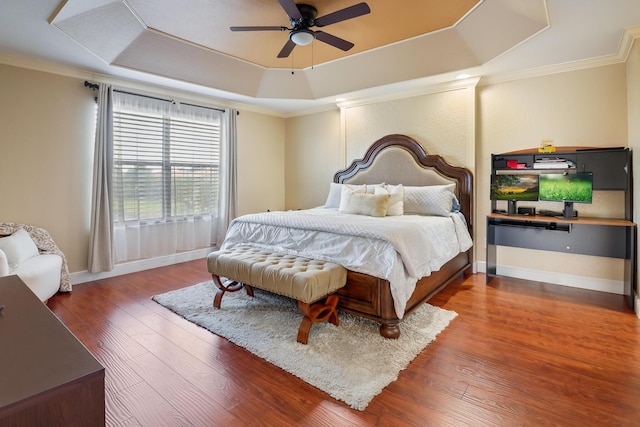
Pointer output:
x,y
370,297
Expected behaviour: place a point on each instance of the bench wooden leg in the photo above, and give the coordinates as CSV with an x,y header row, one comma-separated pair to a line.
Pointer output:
x,y
317,312
228,286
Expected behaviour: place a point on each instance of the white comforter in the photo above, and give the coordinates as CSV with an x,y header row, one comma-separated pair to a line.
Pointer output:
x,y
400,249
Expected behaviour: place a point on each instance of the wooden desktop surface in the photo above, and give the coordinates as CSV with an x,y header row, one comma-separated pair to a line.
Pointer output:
x,y
559,150
578,220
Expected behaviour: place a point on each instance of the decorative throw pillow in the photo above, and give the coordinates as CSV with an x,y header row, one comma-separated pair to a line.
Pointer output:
x,y
346,193
369,204
4,264
18,247
335,193
396,202
430,200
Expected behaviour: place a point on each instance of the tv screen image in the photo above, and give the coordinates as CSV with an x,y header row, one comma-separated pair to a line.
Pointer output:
x,y
577,187
517,188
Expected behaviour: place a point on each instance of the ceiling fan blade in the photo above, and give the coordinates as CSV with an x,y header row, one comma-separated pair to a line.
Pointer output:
x,y
343,14
333,40
258,28
291,8
286,49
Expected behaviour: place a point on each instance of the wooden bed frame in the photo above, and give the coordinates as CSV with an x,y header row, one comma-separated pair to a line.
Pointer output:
x,y
398,159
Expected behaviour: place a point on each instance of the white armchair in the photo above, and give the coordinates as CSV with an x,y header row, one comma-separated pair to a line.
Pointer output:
x,y
31,253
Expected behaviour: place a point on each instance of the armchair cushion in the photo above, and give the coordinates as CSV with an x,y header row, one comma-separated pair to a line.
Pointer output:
x,y
18,247
4,264
41,274
36,271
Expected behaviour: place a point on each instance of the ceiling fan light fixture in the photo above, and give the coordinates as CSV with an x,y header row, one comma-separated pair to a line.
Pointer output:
x,y
302,37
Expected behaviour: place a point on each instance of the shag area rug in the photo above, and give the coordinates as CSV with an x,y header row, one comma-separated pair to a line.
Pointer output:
x,y
352,362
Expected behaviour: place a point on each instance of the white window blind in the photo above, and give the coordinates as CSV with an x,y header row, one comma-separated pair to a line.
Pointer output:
x,y
165,160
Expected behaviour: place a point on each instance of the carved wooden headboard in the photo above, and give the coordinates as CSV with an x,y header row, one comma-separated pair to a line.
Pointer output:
x,y
399,159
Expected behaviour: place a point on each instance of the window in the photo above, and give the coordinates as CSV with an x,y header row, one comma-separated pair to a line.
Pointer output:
x,y
164,178
165,165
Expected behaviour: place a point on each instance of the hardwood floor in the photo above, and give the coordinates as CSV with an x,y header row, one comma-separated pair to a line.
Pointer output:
x,y
519,353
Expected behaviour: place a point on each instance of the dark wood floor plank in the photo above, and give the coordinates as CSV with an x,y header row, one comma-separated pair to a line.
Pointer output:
x,y
518,353
148,408
430,407
195,405
117,414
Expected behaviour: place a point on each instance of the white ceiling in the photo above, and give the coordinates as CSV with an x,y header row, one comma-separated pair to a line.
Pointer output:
x,y
168,43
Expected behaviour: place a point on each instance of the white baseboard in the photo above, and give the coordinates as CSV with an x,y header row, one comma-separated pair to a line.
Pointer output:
x,y
140,265
572,280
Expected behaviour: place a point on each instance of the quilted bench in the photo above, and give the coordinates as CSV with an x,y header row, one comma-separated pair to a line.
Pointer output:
x,y
311,282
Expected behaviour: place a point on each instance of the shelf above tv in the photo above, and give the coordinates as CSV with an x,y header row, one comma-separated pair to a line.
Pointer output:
x,y
610,166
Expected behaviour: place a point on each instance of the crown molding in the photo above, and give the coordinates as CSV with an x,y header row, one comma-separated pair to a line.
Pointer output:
x,y
552,69
626,42
629,35
45,67
419,90
152,89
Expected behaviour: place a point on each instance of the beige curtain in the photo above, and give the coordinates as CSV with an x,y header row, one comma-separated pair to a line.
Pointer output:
x,y
227,196
101,234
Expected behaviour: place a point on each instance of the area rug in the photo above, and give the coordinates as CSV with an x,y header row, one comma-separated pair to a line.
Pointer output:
x,y
351,363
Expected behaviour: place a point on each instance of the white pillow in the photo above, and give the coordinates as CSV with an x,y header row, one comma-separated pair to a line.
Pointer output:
x,y
430,200
4,264
333,198
18,247
346,193
335,193
369,204
396,203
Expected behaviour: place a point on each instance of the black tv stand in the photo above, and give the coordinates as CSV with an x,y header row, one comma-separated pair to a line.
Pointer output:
x,y
562,230
615,239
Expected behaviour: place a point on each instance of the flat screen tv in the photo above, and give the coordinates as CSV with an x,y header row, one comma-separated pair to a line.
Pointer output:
x,y
569,188
514,188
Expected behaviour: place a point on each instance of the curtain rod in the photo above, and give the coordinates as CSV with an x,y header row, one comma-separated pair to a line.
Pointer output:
x,y
95,86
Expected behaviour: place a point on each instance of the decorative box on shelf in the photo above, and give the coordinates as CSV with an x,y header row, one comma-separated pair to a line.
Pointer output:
x,y
547,147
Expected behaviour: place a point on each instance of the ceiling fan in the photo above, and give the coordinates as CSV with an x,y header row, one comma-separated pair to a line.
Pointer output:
x,y
303,17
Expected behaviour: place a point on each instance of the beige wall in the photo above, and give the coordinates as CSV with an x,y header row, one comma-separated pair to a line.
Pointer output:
x,y
46,155
438,121
313,155
47,126
261,171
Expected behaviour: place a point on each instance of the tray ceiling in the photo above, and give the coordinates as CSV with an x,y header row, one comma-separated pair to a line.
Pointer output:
x,y
190,41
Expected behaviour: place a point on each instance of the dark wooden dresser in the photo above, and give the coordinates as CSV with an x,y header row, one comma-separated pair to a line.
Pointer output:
x,y
47,377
